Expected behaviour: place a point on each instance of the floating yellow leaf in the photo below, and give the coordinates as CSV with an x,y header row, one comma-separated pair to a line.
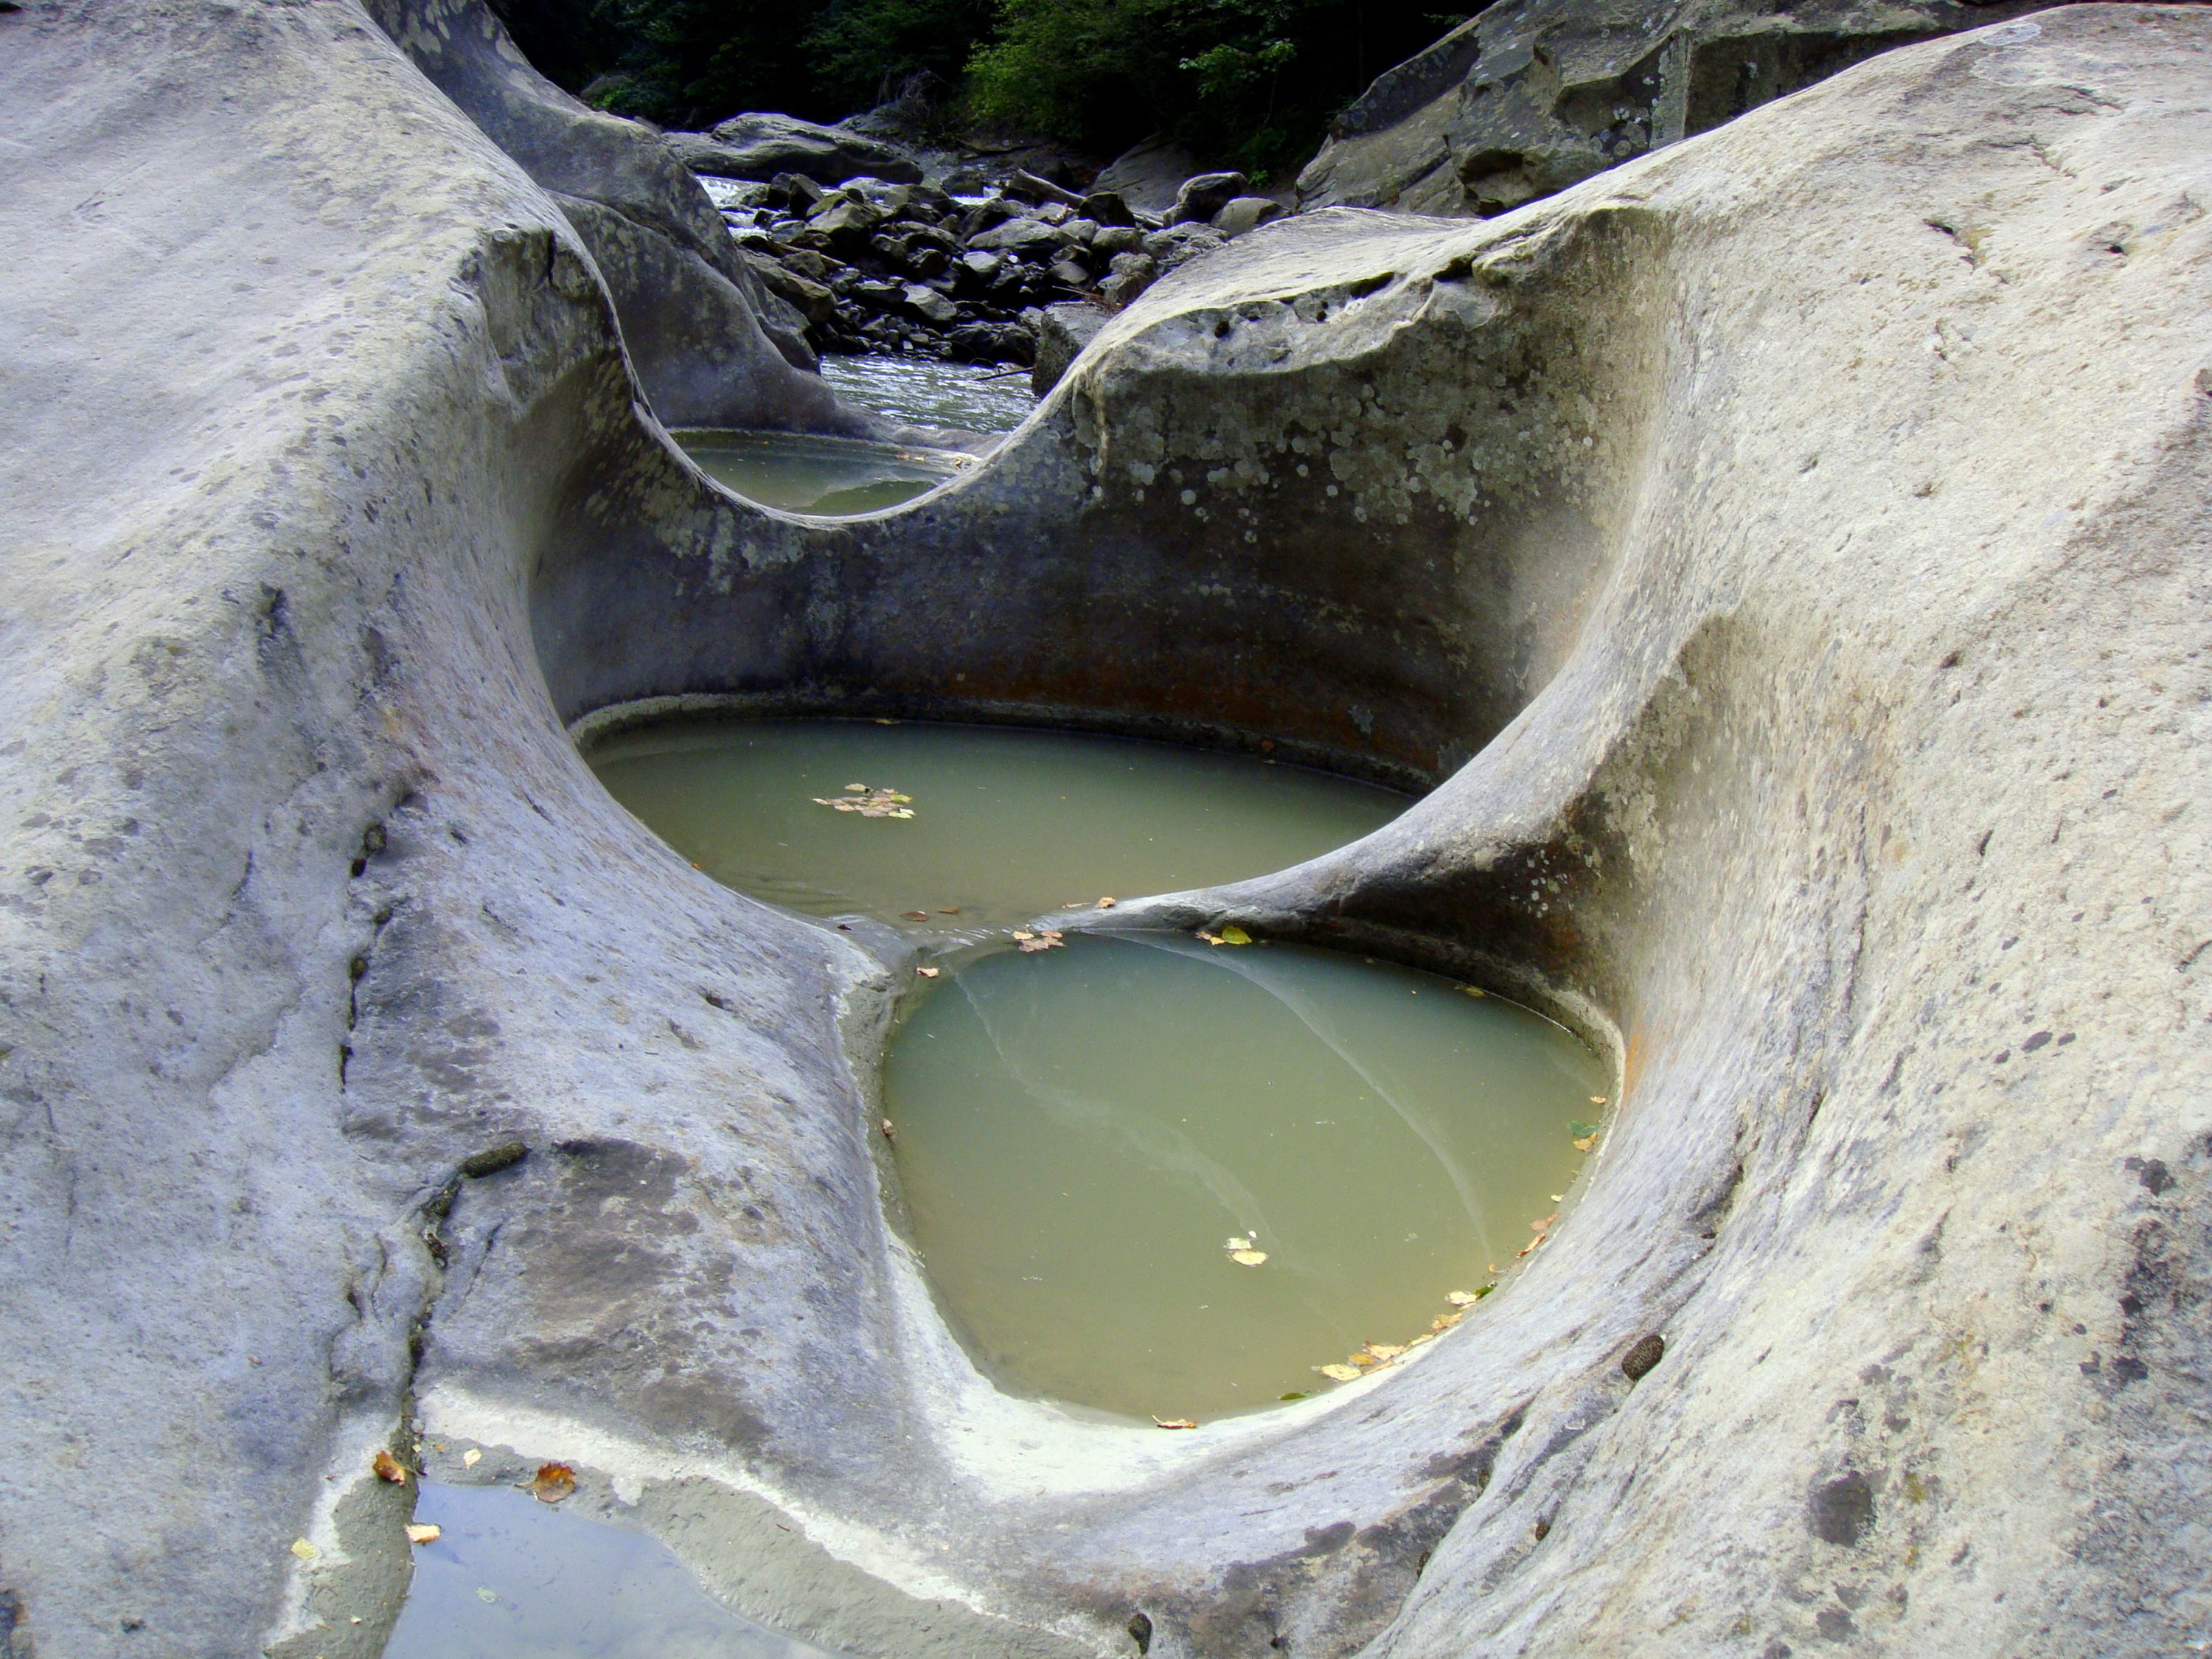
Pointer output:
x,y
1232,934
471,1458
1106,905
1247,1258
1598,1100
928,973
1463,1298
1416,1341
1210,939
305,1551
1445,1322
553,1482
891,1130
1043,939
861,787
1386,1351
389,1468
1472,990
1238,1243
1174,1422
1339,1373
1583,1143
1363,1359
423,1532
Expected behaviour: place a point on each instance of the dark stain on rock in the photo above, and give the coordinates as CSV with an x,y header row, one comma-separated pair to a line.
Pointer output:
x,y
1643,1354
1140,1631
477,1165
1840,1511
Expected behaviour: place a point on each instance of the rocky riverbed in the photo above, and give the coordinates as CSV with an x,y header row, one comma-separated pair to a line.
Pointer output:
x,y
874,264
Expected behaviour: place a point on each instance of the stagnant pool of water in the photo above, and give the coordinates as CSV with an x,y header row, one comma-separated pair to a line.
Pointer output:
x,y
513,1578
1004,822
1170,1179
974,396
801,472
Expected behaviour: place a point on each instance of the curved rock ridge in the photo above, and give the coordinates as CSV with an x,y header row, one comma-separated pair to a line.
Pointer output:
x,y
1783,553
1530,96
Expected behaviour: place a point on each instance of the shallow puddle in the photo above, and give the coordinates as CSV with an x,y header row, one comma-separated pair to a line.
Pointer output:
x,y
1086,1137
1006,822
513,1578
799,473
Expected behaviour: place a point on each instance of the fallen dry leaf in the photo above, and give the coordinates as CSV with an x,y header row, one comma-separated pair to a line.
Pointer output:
x,y
1598,1100
1462,1298
1232,934
1445,1322
423,1532
1416,1341
1583,1143
1175,1422
929,973
471,1458
1386,1351
389,1468
1210,939
1247,1258
1106,905
890,1132
1545,1225
915,916
1043,939
1339,1373
1472,990
1365,1360
1240,1242
304,1550
553,1482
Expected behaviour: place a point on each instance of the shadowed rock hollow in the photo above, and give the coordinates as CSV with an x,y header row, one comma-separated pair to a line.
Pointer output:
x,y
1786,555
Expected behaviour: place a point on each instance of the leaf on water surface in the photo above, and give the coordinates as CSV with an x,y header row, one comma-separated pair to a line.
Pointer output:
x,y
915,916
1545,1225
1598,1100
1107,904
471,1458
1385,1352
1247,1258
1472,990
929,973
890,1131
1210,939
305,1551
948,909
1294,1394
1029,944
1445,1322
1583,1143
1416,1341
389,1468
1232,934
552,1482
861,788
1175,1422
1365,1360
424,1532
1339,1373
1464,1298
1237,1244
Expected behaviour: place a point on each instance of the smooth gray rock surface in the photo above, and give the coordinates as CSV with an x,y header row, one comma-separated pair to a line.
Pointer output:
x,y
1529,96
760,145
1785,554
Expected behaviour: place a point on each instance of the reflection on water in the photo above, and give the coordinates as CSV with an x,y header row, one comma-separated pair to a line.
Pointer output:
x,y
973,397
806,473
1084,1136
514,1578
1008,823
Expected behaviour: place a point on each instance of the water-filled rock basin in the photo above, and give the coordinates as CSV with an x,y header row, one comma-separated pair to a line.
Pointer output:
x,y
510,1578
1094,1142
803,472
1006,822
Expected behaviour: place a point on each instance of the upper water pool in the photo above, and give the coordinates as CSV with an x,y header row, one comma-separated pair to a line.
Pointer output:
x,y
803,472
993,824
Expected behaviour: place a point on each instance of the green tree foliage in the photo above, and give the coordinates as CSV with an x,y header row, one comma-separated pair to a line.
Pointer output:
x,y
1253,83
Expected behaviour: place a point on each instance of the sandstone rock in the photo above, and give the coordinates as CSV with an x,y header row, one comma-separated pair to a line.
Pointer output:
x,y
1531,95
1200,198
761,144
1147,176
1800,651
1062,331
1242,213
689,305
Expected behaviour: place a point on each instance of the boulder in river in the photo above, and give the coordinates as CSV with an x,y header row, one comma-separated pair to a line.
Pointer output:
x,y
761,144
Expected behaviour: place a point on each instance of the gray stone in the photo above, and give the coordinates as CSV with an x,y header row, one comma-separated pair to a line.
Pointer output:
x,y
1117,239
1242,213
1178,245
1062,331
1147,176
1201,198
928,306
814,301
761,144
1800,652
1530,96
1024,236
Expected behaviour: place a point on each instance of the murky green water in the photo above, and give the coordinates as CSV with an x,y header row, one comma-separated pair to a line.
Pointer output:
x,y
1006,823
1082,1134
803,473
514,1578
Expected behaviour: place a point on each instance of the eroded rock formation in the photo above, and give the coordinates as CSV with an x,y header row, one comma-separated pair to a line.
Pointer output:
x,y
1530,97
1785,554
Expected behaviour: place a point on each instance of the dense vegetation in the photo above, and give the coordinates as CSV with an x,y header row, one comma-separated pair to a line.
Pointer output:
x,y
1248,82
